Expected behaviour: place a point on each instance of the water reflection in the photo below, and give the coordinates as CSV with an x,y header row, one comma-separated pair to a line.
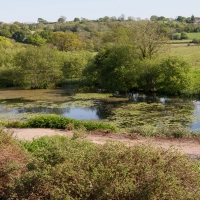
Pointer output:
x,y
135,109
45,110
76,112
195,125
152,98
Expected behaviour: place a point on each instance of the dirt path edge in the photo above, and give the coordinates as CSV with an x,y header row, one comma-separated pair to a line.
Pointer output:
x,y
190,146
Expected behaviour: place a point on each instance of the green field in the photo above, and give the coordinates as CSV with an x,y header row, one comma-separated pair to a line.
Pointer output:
x,y
193,35
190,35
190,53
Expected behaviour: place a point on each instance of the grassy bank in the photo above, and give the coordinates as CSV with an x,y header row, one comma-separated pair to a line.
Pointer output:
x,y
58,122
63,168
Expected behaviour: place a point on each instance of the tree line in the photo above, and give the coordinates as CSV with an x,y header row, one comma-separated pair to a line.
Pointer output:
x,y
34,67
90,32
128,58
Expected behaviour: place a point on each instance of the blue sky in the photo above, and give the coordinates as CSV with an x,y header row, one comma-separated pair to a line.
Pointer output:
x,y
51,10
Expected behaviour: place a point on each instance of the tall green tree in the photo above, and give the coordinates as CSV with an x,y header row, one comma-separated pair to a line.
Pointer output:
x,y
5,33
118,35
41,20
154,18
181,19
46,34
149,73
62,19
9,73
149,38
192,19
174,75
36,40
74,64
40,67
67,41
113,68
21,36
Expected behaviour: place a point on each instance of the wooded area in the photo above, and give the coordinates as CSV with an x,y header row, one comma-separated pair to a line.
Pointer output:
x,y
101,53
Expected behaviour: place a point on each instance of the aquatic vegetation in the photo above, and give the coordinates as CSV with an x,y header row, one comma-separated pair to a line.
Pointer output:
x,y
123,112
154,114
91,95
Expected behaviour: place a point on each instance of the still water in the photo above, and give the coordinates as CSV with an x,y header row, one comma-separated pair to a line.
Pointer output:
x,y
125,111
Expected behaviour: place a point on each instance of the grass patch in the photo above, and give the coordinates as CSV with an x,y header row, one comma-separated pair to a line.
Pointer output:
x,y
193,35
190,53
172,131
58,122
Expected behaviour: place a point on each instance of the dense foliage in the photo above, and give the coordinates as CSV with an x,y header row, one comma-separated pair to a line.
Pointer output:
x,y
39,67
118,67
66,41
91,31
130,52
66,168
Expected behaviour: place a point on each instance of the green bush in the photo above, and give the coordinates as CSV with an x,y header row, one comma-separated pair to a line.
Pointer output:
x,y
58,122
184,36
62,168
196,41
176,37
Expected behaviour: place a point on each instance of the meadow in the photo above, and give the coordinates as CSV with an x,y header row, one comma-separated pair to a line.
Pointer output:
x,y
190,53
193,35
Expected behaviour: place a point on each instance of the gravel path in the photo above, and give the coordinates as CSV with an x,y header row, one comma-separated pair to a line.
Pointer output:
x,y
190,146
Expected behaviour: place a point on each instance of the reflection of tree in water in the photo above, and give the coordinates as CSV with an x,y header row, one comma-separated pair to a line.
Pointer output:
x,y
105,108
59,111
138,109
140,97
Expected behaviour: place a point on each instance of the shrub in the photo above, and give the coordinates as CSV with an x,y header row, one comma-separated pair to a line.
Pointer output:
x,y
196,41
62,168
176,37
12,161
184,36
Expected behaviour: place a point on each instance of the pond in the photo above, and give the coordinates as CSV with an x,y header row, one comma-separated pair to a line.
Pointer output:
x,y
125,111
